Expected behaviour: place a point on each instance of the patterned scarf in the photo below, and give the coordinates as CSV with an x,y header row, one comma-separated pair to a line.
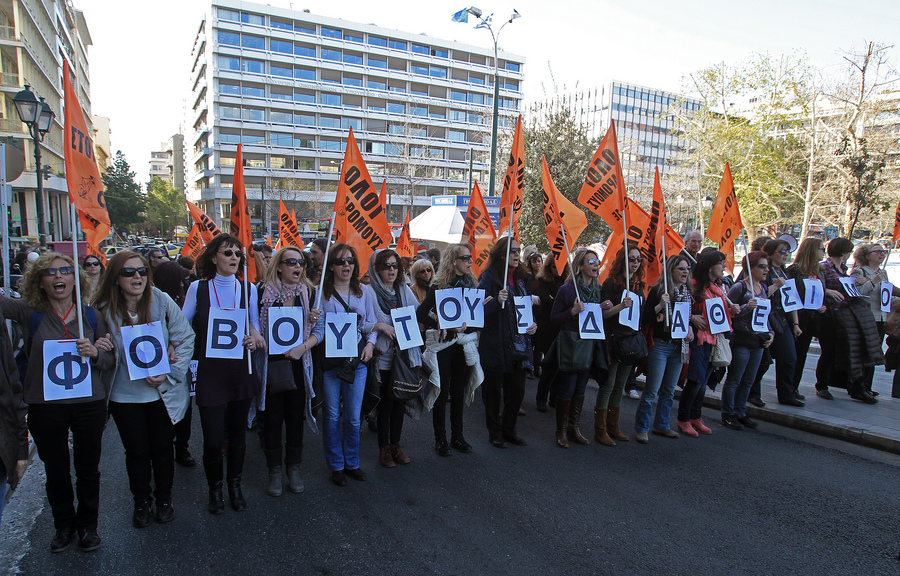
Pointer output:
x,y
590,294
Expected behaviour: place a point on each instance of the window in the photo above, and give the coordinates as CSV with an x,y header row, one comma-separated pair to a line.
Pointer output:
x,y
226,161
230,112
253,42
351,81
397,44
329,122
510,85
418,69
418,110
328,167
304,142
256,19
305,28
253,115
418,89
476,80
304,50
457,96
225,138
376,84
331,32
512,66
229,38
229,15
279,139
353,58
439,52
476,98
278,162
458,115
281,117
377,41
396,108
254,91
253,139
254,162
437,113
229,89
436,153
438,72
393,150
419,49
305,97
330,99
330,76
229,63
374,148
377,62
351,37
305,119
475,119
418,132
395,129
376,106
282,46
329,54
355,123
330,144
252,66
397,88
282,24
300,164
277,94
277,70
456,135
305,74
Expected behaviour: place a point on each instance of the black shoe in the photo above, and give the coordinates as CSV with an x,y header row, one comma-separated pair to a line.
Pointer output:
x,y
442,448
541,406
165,512
236,495
864,397
142,516
732,422
798,395
216,499
460,445
63,539
339,478
824,394
756,402
517,440
356,474
748,422
497,442
793,402
88,540
873,393
184,458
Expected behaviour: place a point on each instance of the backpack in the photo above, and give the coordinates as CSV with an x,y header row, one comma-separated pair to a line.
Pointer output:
x,y
34,321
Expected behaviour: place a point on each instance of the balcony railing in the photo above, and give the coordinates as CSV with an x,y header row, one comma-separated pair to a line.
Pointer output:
x,y
9,125
9,79
8,33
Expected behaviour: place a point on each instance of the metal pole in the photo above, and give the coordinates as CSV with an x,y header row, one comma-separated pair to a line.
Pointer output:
x,y
39,193
495,120
471,157
247,310
4,206
327,249
77,282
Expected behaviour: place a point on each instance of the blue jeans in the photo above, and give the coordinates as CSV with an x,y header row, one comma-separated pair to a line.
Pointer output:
x,y
741,373
342,451
663,367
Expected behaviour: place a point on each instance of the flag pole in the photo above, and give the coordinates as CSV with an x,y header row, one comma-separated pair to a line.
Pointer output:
x,y
625,245
512,210
247,309
666,276
562,230
77,275
324,262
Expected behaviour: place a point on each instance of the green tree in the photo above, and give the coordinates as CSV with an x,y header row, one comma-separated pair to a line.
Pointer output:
x,y
166,207
124,198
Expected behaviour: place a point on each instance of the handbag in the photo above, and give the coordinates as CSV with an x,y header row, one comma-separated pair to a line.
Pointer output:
x,y
407,382
631,349
721,353
575,353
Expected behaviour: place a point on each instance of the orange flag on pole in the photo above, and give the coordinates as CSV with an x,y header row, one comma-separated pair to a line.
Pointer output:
x,y
639,223
207,227
287,229
269,241
360,220
513,184
383,197
404,242
195,245
656,233
478,230
897,224
82,174
240,215
560,215
94,251
603,191
725,224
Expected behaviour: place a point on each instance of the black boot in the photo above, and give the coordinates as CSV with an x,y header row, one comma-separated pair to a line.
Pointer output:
x,y
235,469
214,472
142,516
293,455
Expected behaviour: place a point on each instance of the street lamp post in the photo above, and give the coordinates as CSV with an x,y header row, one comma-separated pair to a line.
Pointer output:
x,y
486,23
38,116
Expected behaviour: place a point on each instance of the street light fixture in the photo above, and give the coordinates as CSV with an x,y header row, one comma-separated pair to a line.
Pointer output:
x,y
486,23
38,116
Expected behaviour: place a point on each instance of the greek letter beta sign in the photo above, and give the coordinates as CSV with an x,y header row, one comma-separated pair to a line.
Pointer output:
x,y
145,351
65,375
225,334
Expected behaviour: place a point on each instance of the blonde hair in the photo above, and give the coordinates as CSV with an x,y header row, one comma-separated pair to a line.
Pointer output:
x,y
31,283
272,270
447,270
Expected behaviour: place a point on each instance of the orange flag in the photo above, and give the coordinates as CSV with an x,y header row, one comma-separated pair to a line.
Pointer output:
x,y
360,220
725,224
287,229
656,233
208,228
513,183
82,174
560,215
639,223
240,215
404,242
897,224
383,197
195,245
269,241
603,191
479,231
94,251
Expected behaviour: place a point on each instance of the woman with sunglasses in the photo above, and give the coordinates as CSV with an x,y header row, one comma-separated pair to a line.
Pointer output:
x,y
47,313
391,292
225,387
343,293
286,378
668,355
807,266
94,269
747,343
868,260
505,354
609,397
422,273
146,409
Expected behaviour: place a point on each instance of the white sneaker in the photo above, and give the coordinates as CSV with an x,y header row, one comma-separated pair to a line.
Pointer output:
x,y
634,394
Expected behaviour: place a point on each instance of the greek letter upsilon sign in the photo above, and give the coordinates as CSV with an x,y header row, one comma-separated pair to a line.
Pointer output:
x,y
65,375
145,350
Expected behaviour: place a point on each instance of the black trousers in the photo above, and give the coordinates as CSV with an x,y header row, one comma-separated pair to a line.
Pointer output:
x,y
49,425
284,410
454,371
183,427
510,387
228,421
147,434
390,413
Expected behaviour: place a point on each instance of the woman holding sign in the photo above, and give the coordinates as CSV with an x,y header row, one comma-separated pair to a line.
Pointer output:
x,y
146,407
807,269
349,317
286,375
216,306
64,391
392,293
505,344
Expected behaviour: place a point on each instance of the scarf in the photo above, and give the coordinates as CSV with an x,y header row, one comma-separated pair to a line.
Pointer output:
x,y
273,294
590,294
388,300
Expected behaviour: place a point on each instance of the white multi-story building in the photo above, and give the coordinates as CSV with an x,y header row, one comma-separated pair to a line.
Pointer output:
x,y
289,85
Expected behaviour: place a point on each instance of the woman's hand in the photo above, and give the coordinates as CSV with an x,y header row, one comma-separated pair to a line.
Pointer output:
x,y
502,296
386,329
531,330
171,352
155,381
699,322
665,298
535,300
253,341
735,309
367,352
626,303
314,315
104,343
577,308
751,304
771,338
690,336
86,349
797,331
606,305
296,352
860,280
835,294
778,283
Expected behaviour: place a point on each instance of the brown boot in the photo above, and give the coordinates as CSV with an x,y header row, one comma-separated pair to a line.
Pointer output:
x,y
574,419
600,434
562,412
612,425
398,455
385,458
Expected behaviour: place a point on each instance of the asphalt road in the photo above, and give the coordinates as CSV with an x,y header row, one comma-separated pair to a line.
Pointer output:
x,y
772,501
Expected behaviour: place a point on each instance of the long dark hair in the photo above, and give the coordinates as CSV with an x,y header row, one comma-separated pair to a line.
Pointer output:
x,y
109,294
701,272
617,270
206,268
328,286
497,262
169,277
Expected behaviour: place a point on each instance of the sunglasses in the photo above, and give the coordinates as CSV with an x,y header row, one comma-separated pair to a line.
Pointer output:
x,y
129,272
391,266
879,252
513,250
593,261
682,268
762,266
633,259
426,271
92,263
228,253
64,270
783,251
294,261
341,261
467,258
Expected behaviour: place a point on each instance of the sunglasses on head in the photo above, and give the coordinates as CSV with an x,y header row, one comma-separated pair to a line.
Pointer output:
x,y
91,263
64,270
294,261
228,252
129,272
467,258
348,260
391,266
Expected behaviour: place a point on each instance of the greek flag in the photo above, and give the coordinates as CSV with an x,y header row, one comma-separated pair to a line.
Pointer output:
x,y
485,22
461,16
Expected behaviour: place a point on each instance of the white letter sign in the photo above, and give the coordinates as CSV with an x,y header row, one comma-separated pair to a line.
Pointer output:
x,y
681,318
717,316
450,308
285,328
849,284
406,328
590,322
340,335
759,319
225,334
631,316
814,294
790,297
887,289
145,350
473,299
524,313
65,375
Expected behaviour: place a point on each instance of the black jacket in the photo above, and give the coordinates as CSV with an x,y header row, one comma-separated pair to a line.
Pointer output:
x,y
13,433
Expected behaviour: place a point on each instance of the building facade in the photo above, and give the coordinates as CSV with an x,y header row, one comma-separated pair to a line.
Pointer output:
x,y
290,85
102,142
